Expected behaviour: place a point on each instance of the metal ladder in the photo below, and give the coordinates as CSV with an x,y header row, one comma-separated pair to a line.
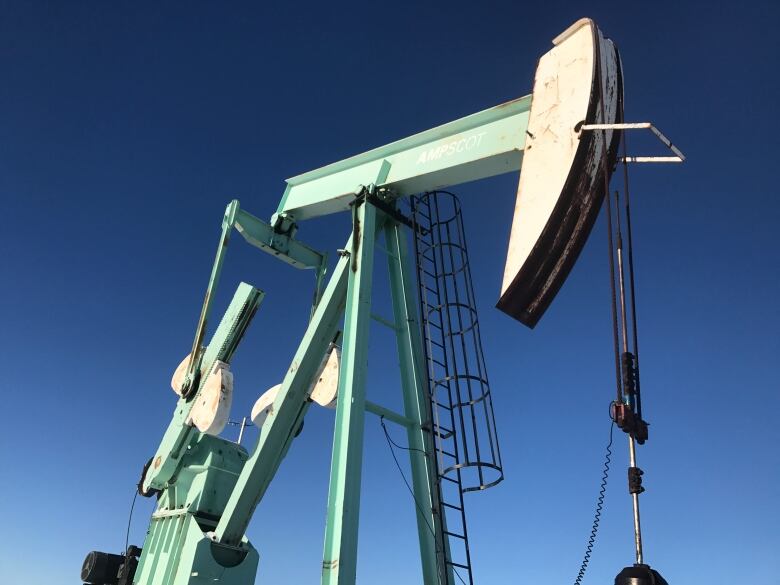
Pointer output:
x,y
461,406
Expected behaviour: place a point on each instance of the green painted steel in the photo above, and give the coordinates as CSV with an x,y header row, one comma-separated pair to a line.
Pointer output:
x,y
381,320
193,373
390,415
210,487
263,236
417,408
176,550
179,434
339,563
290,407
283,246
481,145
197,534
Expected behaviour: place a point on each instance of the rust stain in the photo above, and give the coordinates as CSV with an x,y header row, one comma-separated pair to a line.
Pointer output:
x,y
355,243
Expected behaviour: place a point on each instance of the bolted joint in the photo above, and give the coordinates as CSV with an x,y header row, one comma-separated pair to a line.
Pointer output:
x,y
231,212
284,223
629,422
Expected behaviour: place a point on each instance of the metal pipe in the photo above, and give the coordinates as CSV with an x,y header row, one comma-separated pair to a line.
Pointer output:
x,y
622,292
629,398
635,502
679,156
637,386
241,432
613,307
621,278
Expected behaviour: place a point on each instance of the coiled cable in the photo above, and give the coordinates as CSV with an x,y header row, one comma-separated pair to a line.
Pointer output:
x,y
599,507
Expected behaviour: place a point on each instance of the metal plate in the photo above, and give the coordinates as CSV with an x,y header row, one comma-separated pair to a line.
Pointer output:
x,y
562,179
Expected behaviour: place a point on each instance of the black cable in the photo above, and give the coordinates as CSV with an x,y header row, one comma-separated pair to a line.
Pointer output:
x,y
599,506
390,444
129,520
382,421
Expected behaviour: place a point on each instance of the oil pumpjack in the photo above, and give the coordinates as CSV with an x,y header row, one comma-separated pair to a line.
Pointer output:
x,y
564,139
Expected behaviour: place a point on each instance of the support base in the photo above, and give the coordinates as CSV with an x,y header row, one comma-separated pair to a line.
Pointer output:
x,y
639,575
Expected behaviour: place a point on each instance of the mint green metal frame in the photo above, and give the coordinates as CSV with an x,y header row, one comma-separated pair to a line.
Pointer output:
x,y
484,144
339,563
289,408
349,293
416,407
179,434
261,235
481,145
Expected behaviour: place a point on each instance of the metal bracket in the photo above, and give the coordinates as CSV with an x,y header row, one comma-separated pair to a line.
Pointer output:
x,y
678,158
390,210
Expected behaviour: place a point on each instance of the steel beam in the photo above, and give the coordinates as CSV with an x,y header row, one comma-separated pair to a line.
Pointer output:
x,y
390,415
339,561
481,145
289,409
262,236
416,408
222,346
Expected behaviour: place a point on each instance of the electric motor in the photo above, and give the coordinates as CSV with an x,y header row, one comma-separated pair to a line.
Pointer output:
x,y
101,568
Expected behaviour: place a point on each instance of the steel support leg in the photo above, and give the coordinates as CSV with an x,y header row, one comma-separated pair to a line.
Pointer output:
x,y
291,403
416,406
339,562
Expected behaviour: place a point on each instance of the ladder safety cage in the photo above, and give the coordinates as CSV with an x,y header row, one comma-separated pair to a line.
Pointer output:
x,y
467,452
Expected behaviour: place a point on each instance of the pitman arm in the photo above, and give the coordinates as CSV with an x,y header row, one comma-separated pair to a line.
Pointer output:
x,y
290,406
228,334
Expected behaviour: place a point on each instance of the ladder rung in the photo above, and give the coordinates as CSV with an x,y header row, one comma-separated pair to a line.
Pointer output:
x,y
452,506
460,566
446,434
442,383
448,454
449,479
455,535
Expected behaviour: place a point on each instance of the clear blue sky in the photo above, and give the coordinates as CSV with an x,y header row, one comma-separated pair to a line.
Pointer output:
x,y
125,128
